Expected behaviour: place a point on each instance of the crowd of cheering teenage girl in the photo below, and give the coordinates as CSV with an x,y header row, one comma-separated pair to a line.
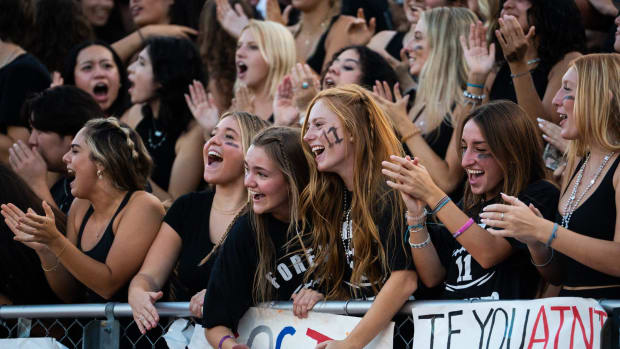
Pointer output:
x,y
230,153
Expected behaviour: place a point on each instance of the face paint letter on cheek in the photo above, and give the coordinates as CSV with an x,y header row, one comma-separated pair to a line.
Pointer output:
x,y
335,133
231,144
569,98
483,156
330,144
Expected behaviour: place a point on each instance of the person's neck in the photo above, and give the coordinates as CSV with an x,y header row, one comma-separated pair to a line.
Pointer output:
x,y
154,104
105,198
316,15
230,196
8,52
263,102
597,154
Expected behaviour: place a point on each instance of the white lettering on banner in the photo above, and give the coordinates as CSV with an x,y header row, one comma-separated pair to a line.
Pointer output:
x,y
264,328
561,322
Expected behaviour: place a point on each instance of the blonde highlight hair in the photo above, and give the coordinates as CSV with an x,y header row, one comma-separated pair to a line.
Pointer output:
x,y
277,46
444,73
322,216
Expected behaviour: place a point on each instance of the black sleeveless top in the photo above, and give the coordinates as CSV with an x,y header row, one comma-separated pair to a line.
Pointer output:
x,y
503,87
316,60
395,44
161,148
100,253
595,217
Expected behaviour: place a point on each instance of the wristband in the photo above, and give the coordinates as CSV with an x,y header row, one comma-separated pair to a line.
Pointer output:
x,y
440,205
470,95
219,346
519,74
422,244
544,264
554,234
415,132
475,85
463,228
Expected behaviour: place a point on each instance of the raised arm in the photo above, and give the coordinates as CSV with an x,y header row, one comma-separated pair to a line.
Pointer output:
x,y
132,43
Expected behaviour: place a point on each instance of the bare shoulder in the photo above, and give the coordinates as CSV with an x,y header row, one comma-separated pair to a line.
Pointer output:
x,y
191,137
143,201
562,65
382,38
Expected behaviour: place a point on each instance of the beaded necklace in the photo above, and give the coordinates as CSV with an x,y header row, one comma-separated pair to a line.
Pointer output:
x,y
347,236
571,204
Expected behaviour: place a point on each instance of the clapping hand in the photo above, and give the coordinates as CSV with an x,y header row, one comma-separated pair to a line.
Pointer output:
x,y
284,110
512,40
359,31
232,20
479,57
305,85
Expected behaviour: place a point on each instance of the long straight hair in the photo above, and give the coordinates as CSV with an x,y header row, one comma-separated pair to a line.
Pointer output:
x,y
514,143
283,146
322,216
444,74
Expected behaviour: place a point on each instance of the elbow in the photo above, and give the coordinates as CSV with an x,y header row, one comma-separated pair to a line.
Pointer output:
x,y
431,282
410,283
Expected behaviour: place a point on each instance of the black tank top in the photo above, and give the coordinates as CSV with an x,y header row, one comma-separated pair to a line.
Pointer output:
x,y
503,87
595,217
161,148
100,253
395,44
315,61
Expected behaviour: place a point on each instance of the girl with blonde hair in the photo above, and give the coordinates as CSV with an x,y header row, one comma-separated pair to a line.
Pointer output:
x,y
357,241
437,57
196,224
265,54
581,249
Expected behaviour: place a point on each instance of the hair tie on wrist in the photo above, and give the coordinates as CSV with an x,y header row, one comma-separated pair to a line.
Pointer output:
x,y
475,85
219,346
463,228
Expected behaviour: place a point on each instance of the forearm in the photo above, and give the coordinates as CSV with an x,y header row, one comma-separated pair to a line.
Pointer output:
x,y
215,334
546,262
60,280
95,275
598,254
426,260
161,194
128,45
143,282
399,286
6,142
527,97
486,249
43,192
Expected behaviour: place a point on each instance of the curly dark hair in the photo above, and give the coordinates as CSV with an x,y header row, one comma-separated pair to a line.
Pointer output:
x,y
176,63
15,20
374,67
60,25
217,48
122,101
559,26
23,280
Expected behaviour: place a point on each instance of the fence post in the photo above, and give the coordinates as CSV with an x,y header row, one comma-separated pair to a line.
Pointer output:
x,y
103,334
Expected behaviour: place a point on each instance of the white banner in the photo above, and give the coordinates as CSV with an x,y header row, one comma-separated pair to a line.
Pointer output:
x,y
266,328
31,343
561,322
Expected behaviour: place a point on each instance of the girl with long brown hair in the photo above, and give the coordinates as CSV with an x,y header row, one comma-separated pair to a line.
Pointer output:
x,y
245,273
357,241
500,152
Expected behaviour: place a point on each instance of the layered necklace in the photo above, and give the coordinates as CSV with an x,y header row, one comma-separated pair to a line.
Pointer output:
x,y
156,136
346,234
572,204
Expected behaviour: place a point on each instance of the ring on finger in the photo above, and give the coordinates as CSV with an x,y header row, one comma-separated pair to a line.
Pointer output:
x,y
305,85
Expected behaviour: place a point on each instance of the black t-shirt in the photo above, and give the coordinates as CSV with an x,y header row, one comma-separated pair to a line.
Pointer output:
x,y
61,193
230,290
18,81
189,217
398,255
514,278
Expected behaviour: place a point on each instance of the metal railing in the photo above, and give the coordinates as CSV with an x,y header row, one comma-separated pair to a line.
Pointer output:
x,y
70,324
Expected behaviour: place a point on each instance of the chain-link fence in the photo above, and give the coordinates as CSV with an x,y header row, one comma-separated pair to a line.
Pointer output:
x,y
92,326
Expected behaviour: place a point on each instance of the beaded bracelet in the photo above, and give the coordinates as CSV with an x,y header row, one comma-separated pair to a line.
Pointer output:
x,y
422,244
440,205
415,132
418,218
544,264
468,94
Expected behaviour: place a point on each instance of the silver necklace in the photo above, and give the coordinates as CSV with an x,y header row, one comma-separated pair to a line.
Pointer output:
x,y
154,132
347,236
571,204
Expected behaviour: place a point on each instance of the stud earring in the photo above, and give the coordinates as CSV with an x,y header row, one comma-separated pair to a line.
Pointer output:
x,y
100,174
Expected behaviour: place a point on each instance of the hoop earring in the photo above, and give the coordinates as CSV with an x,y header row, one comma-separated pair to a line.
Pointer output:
x,y
100,174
